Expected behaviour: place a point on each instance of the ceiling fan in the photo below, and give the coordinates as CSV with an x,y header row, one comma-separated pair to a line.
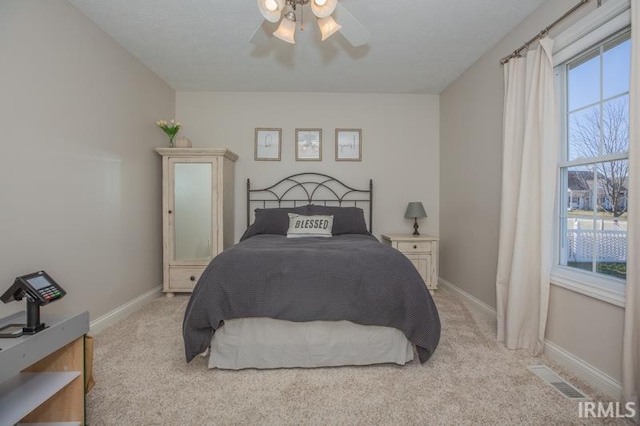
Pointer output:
x,y
273,11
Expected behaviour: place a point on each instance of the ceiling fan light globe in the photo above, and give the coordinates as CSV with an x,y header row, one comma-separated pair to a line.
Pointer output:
x,y
323,8
328,27
271,5
267,11
286,31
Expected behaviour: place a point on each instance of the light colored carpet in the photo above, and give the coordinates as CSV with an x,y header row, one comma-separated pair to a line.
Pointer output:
x,y
142,379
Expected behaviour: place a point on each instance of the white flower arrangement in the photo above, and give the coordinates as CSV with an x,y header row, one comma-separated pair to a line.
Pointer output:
x,y
171,129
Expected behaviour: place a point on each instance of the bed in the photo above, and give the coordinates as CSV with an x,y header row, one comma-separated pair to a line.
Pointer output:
x,y
274,301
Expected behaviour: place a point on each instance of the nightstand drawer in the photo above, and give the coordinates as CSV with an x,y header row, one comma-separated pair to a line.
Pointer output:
x,y
414,247
184,278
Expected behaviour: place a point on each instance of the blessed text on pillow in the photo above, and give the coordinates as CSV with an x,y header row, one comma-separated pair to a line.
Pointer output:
x,y
309,226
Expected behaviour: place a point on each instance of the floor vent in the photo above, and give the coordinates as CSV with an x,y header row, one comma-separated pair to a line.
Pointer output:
x,y
561,385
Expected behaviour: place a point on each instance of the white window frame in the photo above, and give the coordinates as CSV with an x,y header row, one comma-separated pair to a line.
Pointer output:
x,y
608,20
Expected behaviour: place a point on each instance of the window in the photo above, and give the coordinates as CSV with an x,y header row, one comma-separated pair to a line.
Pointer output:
x,y
593,166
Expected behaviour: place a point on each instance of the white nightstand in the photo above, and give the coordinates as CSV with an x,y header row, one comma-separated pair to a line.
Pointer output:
x,y
422,251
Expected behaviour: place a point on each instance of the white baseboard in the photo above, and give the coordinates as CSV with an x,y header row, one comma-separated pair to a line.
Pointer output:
x,y
477,303
123,311
596,378
587,372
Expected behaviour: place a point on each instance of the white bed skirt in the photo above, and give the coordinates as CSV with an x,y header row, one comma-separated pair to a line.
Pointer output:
x,y
267,343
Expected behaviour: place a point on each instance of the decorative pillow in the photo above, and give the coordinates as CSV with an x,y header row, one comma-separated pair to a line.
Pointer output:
x,y
309,226
346,220
271,221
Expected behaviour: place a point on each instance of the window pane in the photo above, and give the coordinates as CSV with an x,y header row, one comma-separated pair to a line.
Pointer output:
x,y
580,243
611,248
611,227
584,133
611,224
584,81
578,224
612,182
580,191
617,66
615,126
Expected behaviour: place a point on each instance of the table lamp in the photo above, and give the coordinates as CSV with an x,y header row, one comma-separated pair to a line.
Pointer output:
x,y
415,209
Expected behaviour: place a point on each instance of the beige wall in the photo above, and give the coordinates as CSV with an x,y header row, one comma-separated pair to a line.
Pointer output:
x,y
470,164
587,327
400,144
80,181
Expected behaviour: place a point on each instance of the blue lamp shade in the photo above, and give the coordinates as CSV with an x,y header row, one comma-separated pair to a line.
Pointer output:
x,y
415,209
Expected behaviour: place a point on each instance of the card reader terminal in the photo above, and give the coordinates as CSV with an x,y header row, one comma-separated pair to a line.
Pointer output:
x,y
44,286
39,289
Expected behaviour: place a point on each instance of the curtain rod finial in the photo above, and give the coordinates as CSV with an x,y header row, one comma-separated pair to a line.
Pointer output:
x,y
545,31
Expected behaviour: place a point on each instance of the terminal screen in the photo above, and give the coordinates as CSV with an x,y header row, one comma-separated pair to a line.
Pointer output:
x,y
39,282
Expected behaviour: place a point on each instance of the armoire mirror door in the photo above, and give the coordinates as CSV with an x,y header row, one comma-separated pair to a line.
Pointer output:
x,y
191,210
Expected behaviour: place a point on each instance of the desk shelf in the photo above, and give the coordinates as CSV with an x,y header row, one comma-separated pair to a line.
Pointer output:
x,y
27,391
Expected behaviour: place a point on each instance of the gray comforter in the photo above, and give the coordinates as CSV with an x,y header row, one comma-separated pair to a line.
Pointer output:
x,y
346,277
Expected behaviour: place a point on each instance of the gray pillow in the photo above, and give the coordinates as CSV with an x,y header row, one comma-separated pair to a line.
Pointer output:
x,y
272,221
346,220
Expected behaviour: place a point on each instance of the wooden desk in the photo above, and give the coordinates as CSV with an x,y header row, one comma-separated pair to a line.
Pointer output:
x,y
42,375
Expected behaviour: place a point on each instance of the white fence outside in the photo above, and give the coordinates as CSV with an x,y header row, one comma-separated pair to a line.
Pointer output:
x,y
610,245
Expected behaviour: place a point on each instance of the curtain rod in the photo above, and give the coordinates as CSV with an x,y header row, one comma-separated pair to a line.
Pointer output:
x,y
544,32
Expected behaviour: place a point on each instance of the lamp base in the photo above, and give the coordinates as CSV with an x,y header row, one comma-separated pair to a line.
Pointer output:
x,y
415,227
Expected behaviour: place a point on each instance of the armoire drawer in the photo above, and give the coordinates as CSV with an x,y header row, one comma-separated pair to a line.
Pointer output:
x,y
184,278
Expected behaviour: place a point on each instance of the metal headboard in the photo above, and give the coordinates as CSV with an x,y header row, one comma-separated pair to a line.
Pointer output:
x,y
307,188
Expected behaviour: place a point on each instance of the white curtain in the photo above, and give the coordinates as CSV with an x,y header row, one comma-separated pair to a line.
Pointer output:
x,y
631,339
530,141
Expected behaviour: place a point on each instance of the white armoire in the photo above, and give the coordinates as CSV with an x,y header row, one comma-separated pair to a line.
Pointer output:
x,y
197,212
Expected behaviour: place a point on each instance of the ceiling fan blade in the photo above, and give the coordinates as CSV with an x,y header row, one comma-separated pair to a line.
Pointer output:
x,y
352,29
263,33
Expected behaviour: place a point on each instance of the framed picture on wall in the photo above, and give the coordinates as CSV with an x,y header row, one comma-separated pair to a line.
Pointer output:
x,y
348,144
268,144
308,144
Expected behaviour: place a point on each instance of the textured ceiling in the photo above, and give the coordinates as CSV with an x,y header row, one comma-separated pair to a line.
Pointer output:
x,y
416,46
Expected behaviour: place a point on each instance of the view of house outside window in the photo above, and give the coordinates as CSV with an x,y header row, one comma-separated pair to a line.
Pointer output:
x,y
594,166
